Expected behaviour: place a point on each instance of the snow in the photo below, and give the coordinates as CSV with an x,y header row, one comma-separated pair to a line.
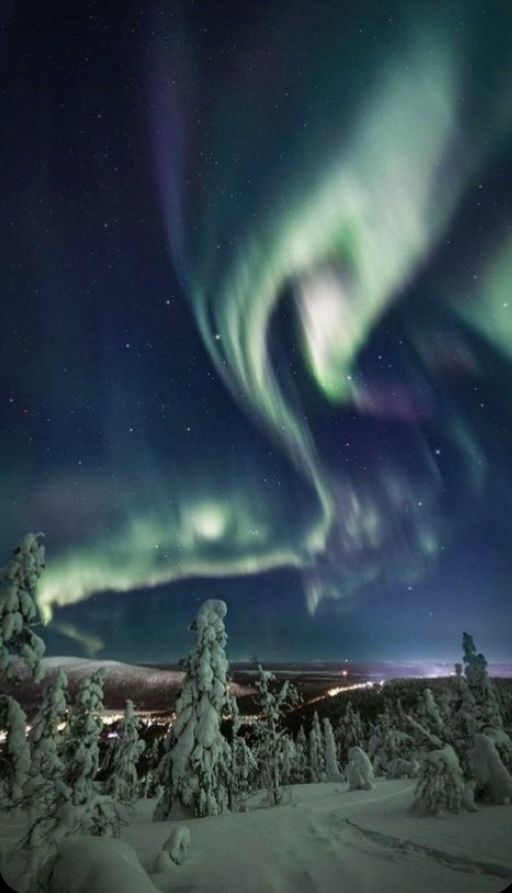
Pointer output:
x,y
325,839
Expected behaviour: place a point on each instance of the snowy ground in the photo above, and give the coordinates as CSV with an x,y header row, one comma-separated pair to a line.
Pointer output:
x,y
329,839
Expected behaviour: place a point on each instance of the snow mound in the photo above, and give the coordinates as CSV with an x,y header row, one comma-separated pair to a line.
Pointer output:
x,y
98,865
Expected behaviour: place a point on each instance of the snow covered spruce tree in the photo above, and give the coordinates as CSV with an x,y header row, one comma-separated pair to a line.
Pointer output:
x,y
486,711
316,750
359,770
349,733
387,742
196,765
74,803
242,766
15,760
47,766
332,771
271,745
299,770
493,782
18,612
122,781
441,785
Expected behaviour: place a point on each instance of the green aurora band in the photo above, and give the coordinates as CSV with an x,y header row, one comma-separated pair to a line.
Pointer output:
x,y
344,235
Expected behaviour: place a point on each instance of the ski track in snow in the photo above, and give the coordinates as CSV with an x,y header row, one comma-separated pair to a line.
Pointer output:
x,y
387,846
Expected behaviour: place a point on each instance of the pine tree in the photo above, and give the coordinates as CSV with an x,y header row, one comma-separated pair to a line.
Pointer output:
x,y
332,771
316,751
18,585
196,766
122,782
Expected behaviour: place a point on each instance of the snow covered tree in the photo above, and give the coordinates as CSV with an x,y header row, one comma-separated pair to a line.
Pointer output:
x,y
349,733
359,770
441,785
387,743
332,771
18,585
196,766
242,765
15,760
74,803
153,757
82,738
271,744
289,757
46,766
301,757
493,780
122,781
429,713
316,750
485,711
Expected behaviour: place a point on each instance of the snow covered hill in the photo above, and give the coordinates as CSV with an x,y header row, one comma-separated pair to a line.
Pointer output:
x,y
150,688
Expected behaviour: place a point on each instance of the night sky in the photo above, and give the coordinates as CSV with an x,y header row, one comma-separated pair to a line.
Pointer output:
x,y
256,336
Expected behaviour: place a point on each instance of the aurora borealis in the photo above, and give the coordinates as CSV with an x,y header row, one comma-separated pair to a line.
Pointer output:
x,y
257,323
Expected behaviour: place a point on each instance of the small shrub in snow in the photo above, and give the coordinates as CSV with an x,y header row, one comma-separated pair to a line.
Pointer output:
x,y
18,585
441,786
493,781
178,844
359,771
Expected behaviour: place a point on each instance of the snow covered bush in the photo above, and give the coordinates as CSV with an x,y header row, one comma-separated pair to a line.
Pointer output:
x,y
122,781
178,844
441,786
493,781
359,771
18,585
196,766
